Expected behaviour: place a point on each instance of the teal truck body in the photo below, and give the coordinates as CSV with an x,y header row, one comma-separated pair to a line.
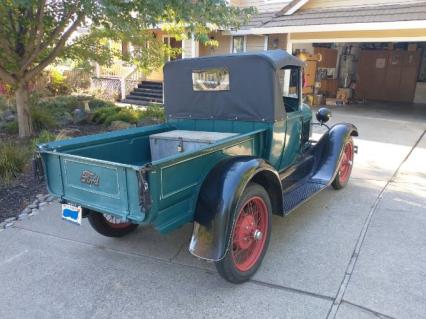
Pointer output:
x,y
267,154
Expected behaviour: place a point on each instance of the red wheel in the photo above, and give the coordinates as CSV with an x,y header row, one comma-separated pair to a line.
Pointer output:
x,y
345,167
109,225
250,236
116,223
248,239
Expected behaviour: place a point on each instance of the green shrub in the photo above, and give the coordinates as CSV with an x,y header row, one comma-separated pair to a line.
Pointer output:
x,y
102,114
60,104
97,104
3,104
44,137
57,84
42,118
107,115
11,127
125,115
153,112
13,158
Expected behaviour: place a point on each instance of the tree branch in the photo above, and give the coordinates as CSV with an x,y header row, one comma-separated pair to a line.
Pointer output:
x,y
4,44
5,76
37,31
55,52
39,47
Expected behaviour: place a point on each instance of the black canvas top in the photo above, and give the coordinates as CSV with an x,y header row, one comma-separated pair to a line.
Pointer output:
x,y
254,92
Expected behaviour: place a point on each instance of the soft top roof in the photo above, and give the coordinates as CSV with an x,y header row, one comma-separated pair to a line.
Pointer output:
x,y
254,92
277,58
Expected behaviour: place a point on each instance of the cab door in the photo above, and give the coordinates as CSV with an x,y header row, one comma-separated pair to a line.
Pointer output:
x,y
292,98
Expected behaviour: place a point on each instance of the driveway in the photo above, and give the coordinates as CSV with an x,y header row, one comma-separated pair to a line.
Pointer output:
x,y
355,253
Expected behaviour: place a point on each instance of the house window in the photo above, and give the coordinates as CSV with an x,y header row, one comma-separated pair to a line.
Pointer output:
x,y
238,44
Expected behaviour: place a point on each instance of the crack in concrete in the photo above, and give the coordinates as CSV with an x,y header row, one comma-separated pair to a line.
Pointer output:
x,y
169,261
368,310
290,289
354,258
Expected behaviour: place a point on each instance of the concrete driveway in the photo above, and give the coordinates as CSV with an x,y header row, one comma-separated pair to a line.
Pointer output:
x,y
355,253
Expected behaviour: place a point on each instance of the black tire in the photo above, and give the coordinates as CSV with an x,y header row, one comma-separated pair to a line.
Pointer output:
x,y
339,182
104,227
227,267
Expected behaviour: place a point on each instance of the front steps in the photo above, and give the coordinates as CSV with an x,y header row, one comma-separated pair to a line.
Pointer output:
x,y
146,93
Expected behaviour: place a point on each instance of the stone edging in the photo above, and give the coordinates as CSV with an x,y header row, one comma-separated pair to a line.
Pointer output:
x,y
31,210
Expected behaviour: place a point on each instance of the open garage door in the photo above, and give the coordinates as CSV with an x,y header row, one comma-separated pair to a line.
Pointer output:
x,y
388,75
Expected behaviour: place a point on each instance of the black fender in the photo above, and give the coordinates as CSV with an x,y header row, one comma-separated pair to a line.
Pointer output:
x,y
218,198
328,151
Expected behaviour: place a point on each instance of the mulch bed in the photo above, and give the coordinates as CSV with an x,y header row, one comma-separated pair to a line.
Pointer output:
x,y
23,190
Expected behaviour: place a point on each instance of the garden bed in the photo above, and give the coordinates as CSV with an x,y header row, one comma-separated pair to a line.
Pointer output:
x,y
17,194
54,119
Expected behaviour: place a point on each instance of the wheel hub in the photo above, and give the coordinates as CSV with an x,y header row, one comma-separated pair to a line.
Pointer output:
x,y
257,235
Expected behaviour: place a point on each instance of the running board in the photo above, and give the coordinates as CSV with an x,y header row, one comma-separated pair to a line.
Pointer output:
x,y
298,195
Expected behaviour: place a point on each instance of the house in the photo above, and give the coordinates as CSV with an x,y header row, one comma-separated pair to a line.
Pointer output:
x,y
373,49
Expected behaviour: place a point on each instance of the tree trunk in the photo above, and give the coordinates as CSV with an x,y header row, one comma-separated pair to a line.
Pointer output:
x,y
24,116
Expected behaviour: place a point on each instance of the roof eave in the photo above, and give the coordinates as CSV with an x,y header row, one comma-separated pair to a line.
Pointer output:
x,y
394,25
292,7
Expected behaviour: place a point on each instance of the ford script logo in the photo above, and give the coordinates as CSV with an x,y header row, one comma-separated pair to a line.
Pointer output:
x,y
90,178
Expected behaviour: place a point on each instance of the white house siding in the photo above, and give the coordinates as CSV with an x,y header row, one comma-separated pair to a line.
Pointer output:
x,y
190,48
186,48
263,5
327,4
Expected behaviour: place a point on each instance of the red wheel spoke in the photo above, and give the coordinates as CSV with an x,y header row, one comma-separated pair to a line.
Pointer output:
x,y
346,163
252,218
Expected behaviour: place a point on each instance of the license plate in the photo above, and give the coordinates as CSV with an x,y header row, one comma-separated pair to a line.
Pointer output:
x,y
71,213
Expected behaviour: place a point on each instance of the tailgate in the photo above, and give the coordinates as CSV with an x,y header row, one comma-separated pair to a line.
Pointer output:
x,y
99,185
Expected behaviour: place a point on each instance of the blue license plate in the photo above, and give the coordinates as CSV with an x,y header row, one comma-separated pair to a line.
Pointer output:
x,y
71,213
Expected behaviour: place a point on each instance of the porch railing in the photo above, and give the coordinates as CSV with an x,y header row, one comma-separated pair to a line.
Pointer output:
x,y
128,75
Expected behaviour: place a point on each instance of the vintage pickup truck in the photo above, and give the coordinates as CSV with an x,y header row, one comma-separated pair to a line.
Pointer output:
x,y
234,150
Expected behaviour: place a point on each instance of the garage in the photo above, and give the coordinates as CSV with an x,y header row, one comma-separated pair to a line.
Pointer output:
x,y
354,52
357,72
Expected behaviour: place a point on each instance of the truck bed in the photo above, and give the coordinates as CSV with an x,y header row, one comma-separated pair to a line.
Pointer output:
x,y
109,172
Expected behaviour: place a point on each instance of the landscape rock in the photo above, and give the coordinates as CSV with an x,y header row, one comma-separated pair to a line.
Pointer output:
x,y
120,125
79,116
26,211
22,216
10,224
42,204
50,198
9,220
32,206
34,212
8,116
66,119
40,196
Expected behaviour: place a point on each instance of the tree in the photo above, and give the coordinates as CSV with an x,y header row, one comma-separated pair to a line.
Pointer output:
x,y
35,33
